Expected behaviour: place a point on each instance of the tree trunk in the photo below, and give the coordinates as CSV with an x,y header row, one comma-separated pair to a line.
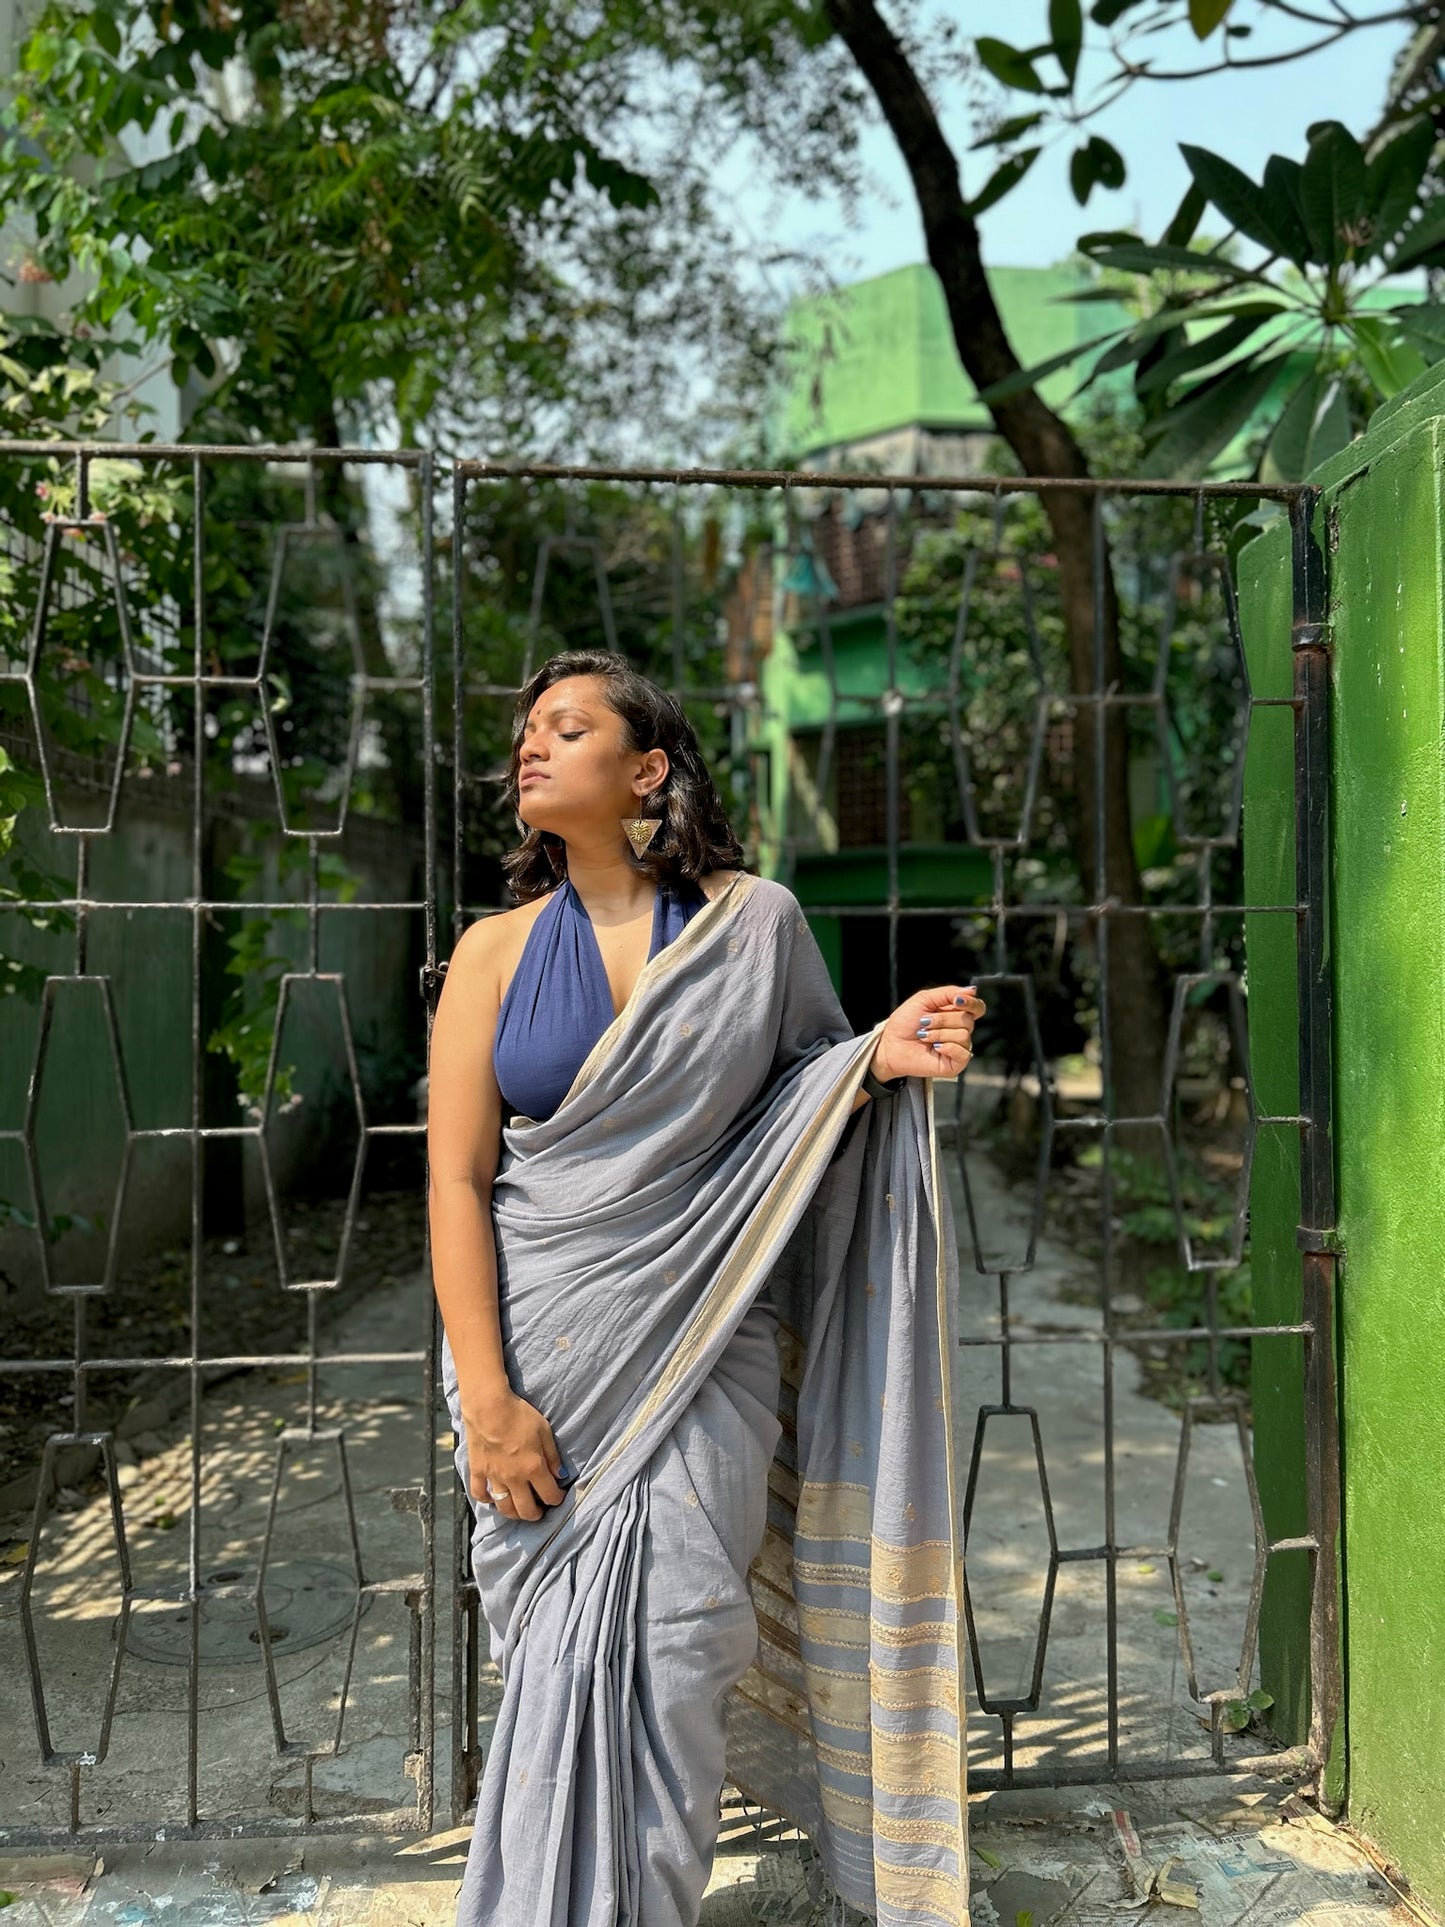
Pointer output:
x,y
1138,1000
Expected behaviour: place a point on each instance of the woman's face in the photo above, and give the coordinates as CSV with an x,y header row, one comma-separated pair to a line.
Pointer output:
x,y
572,771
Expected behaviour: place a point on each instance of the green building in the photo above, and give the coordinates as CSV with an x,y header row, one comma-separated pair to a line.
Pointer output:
x,y
878,386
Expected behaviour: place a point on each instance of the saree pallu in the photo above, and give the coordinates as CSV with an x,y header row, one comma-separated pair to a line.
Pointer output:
x,y
734,1302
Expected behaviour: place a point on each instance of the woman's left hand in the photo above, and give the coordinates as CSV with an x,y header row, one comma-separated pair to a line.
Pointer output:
x,y
931,1035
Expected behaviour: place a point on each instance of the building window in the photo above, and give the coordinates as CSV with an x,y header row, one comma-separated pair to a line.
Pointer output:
x,y
861,788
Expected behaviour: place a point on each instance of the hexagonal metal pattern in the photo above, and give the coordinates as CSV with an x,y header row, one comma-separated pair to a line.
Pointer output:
x,y
57,530
800,565
64,990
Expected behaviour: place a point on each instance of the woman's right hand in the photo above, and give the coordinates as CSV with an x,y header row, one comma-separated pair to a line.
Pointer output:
x,y
512,1457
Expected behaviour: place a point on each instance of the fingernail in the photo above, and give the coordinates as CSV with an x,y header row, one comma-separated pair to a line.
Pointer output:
x,y
960,1000
924,1022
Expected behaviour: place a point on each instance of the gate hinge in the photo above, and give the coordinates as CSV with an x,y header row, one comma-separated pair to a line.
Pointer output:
x,y
1311,635
429,979
1312,1238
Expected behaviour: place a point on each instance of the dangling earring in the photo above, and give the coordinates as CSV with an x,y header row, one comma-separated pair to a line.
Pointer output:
x,y
640,830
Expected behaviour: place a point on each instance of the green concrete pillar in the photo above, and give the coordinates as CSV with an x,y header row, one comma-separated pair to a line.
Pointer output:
x,y
1382,512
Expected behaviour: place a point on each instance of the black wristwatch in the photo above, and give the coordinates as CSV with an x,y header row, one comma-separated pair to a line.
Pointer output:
x,y
876,1088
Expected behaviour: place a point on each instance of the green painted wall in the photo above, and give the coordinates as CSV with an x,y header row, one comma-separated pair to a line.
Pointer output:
x,y
1278,1380
879,355
1384,500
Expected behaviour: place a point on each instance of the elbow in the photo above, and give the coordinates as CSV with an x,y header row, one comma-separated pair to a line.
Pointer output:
x,y
445,1187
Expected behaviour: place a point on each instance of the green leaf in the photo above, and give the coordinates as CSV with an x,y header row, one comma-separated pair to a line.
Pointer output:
x,y
1260,1700
1009,130
1206,421
1332,192
1421,240
1105,12
1423,323
1004,179
1007,64
1098,163
1206,15
1187,216
106,31
1392,182
1313,427
1244,205
1218,344
1066,31
1025,378
988,1859
1138,257
1163,1618
1283,190
1390,364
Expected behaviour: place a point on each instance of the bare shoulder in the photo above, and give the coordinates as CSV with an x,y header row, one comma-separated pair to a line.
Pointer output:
x,y
487,950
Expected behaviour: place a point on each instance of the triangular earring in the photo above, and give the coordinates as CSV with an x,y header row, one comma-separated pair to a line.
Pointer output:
x,y
640,830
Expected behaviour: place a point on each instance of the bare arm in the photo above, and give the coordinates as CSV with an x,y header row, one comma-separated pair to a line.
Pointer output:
x,y
509,1444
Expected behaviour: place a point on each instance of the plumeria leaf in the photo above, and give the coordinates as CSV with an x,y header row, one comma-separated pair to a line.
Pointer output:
x,y
1332,192
1025,378
1203,424
1243,204
1187,216
1390,363
1392,182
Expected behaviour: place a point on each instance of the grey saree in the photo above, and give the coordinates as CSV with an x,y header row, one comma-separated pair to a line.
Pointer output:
x,y
734,1303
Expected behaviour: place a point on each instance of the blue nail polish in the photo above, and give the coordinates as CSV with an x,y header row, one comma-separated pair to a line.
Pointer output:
x,y
924,1022
960,1000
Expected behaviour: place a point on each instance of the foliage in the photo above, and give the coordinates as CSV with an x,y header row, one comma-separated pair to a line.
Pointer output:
x,y
1091,55
1311,334
481,219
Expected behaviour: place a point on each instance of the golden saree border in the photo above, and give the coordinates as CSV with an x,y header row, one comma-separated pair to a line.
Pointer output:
x,y
947,1362
737,1278
670,958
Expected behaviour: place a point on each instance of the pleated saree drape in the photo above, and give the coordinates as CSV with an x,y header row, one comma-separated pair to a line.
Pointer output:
x,y
734,1303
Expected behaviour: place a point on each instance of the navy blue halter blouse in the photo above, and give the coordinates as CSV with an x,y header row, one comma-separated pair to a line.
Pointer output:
x,y
558,1003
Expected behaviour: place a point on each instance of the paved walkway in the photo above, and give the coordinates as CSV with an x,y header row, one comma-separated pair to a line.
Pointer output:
x,y
1244,1853
1233,1856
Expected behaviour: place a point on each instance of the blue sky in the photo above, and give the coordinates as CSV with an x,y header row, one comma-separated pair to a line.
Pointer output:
x,y
1245,115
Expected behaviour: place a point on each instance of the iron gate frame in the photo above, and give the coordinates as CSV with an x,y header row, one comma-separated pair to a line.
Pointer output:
x,y
1315,1232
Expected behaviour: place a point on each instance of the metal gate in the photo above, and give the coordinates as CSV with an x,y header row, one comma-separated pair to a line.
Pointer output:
x,y
879,670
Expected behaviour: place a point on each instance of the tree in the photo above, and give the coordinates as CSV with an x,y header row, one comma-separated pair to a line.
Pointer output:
x,y
1039,439
372,218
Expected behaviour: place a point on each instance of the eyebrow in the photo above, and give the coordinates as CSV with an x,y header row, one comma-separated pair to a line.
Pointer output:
x,y
566,709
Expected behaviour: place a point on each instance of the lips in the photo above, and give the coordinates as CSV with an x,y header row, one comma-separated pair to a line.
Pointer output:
x,y
533,776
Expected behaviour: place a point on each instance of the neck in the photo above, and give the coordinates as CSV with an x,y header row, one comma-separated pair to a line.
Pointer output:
x,y
603,875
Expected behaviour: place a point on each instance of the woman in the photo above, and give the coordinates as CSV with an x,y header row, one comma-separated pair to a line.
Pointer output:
x,y
698,1351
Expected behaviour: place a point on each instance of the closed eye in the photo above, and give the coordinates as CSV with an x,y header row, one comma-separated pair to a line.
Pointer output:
x,y
571,735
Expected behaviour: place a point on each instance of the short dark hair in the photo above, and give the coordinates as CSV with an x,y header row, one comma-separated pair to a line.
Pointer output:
x,y
696,837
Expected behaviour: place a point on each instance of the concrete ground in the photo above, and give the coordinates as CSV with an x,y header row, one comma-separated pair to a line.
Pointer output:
x,y
1237,1855
1039,1856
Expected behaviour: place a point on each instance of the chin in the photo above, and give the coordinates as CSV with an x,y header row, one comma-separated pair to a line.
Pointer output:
x,y
535,814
